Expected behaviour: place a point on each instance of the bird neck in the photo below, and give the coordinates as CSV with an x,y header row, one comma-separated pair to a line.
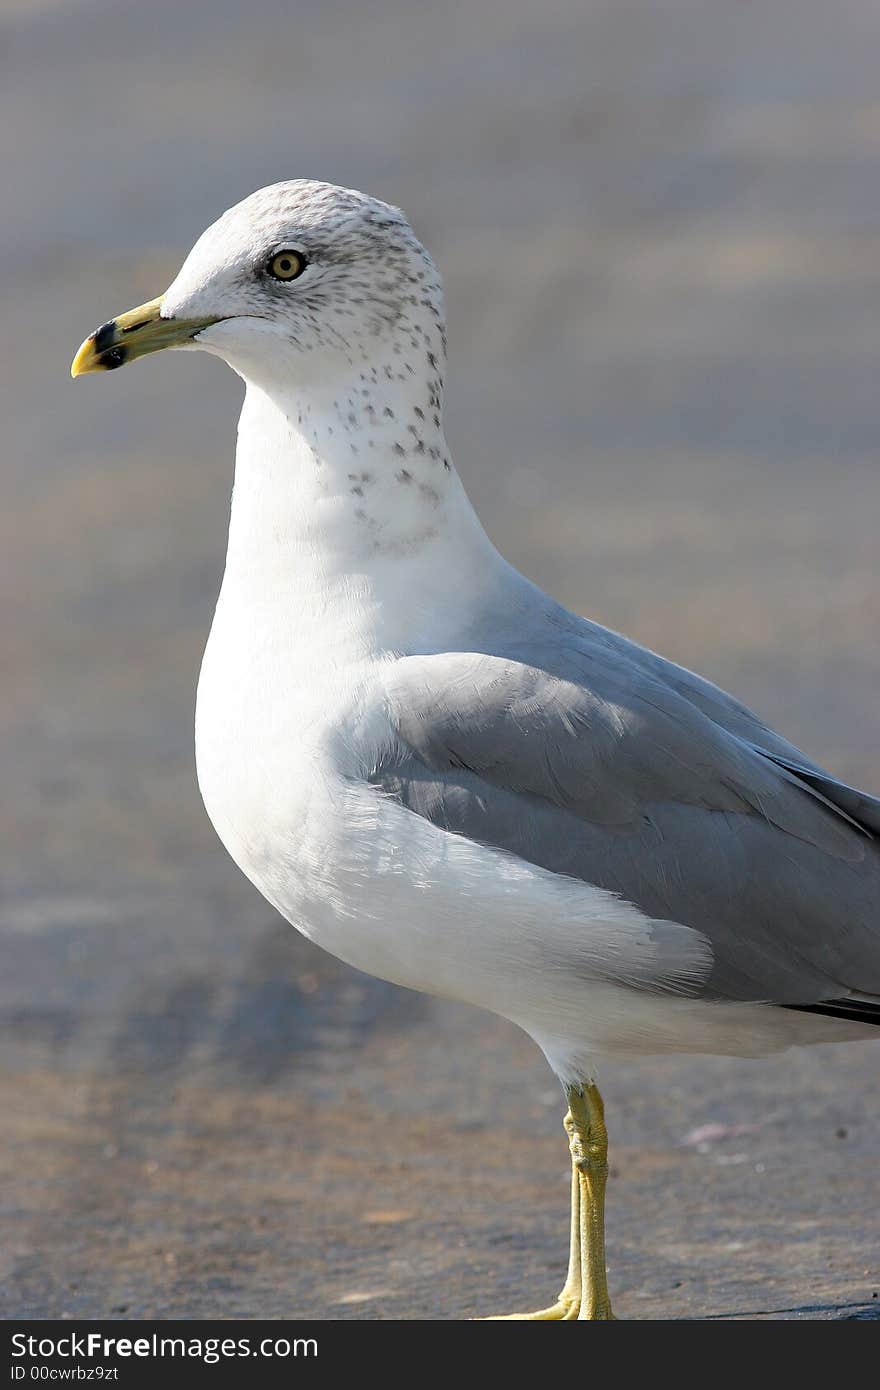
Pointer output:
x,y
348,510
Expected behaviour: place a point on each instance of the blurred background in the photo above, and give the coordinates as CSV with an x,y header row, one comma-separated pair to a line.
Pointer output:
x,y
659,223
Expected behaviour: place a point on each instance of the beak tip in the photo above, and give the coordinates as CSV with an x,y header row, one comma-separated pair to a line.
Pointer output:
x,y
85,359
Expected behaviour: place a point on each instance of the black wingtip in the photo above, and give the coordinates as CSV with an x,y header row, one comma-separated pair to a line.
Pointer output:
x,y
855,1010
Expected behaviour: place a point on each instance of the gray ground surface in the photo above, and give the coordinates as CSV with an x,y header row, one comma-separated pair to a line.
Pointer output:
x,y
660,227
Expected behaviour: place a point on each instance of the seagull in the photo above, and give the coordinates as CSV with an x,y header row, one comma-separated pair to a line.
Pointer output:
x,y
438,773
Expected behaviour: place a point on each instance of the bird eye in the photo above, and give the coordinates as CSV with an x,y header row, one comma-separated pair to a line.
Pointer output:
x,y
287,265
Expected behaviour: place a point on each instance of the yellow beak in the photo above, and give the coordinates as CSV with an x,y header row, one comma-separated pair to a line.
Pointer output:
x,y
132,335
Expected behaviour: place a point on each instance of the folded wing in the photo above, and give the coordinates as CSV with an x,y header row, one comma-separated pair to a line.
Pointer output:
x,y
597,760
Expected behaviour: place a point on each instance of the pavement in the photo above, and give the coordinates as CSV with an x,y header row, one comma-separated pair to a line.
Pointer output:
x,y
660,230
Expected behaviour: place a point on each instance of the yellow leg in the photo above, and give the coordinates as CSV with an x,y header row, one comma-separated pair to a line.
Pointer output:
x,y
569,1300
585,1292
589,1154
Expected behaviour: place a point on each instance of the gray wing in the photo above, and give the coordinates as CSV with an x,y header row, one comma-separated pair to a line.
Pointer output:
x,y
736,718
596,759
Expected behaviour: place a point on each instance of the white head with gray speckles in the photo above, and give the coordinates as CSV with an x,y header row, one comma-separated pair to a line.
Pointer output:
x,y
332,312
356,284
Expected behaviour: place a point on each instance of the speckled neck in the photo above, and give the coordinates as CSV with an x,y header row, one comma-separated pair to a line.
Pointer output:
x,y
347,504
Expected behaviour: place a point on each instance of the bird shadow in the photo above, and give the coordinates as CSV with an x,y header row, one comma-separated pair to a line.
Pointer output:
x,y
845,1312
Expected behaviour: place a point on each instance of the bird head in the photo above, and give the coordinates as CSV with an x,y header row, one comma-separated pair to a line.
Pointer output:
x,y
301,281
